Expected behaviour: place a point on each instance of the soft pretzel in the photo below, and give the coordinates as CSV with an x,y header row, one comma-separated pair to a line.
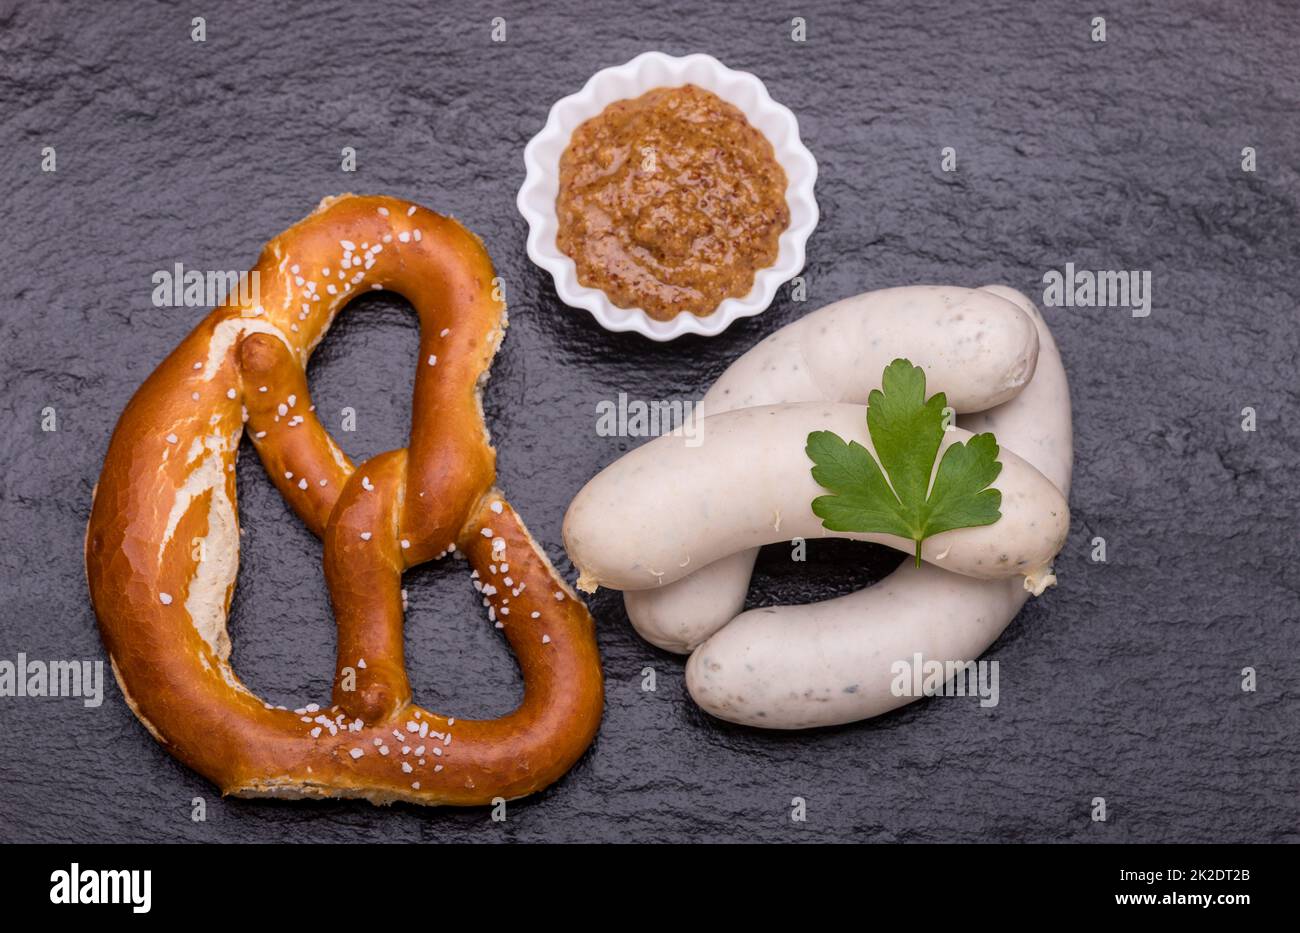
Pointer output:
x,y
162,546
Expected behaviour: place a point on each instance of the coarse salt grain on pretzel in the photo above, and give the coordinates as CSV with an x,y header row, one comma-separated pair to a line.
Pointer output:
x,y
162,546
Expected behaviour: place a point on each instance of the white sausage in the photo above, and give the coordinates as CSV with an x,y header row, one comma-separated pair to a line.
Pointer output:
x,y
974,346
802,666
679,616
645,519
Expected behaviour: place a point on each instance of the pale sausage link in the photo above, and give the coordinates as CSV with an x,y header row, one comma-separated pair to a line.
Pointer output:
x,y
647,518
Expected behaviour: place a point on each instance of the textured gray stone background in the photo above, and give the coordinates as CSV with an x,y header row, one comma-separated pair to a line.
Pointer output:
x,y
1123,682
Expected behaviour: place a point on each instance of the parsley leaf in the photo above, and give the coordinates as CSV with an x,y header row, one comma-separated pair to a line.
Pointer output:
x,y
906,431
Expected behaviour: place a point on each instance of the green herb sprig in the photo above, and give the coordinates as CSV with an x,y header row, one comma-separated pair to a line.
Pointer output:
x,y
906,431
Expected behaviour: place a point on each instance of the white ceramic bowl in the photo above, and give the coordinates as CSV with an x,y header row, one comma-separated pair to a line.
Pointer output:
x,y
644,73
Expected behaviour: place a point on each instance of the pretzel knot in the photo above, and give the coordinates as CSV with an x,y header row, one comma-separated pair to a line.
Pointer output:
x,y
162,546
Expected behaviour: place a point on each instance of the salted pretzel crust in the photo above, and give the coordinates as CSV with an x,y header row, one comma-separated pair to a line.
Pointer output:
x,y
162,545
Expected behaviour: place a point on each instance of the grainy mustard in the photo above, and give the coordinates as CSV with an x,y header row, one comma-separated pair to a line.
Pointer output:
x,y
670,202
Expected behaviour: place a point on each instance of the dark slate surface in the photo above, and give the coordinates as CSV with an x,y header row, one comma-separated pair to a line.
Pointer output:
x,y
1124,682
